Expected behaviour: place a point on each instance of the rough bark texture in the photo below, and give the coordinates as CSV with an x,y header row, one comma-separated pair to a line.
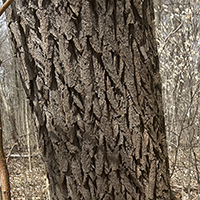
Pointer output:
x,y
90,69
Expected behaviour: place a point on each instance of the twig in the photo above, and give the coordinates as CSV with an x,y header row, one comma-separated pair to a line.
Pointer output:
x,y
10,152
171,33
5,6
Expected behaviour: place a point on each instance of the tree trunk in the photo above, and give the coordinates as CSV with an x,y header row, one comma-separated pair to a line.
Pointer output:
x,y
90,70
4,175
28,133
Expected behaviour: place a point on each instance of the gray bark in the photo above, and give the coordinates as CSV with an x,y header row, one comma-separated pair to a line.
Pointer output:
x,y
90,69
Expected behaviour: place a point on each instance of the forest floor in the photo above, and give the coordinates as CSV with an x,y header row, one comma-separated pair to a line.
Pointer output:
x,y
185,176
32,184
28,184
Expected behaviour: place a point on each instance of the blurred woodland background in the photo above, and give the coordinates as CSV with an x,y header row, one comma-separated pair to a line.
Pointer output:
x,y
178,34
178,31
27,172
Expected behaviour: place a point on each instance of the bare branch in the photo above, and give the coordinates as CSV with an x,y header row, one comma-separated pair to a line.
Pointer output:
x,y
5,6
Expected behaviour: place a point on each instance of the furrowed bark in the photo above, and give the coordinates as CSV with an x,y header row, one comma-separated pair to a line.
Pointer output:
x,y
90,70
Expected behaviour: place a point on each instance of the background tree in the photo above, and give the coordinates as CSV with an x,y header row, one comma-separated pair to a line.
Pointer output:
x,y
178,39
90,70
19,134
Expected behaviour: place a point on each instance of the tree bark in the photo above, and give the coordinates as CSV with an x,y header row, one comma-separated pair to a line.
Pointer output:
x,y
90,70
